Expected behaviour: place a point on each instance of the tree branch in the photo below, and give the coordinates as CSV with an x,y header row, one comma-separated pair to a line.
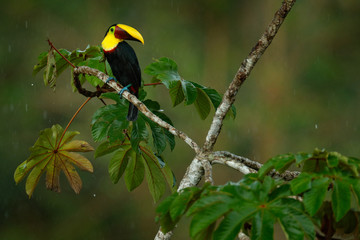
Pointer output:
x,y
244,71
128,96
245,165
195,171
242,164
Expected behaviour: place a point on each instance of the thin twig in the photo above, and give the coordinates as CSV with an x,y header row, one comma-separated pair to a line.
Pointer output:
x,y
152,84
53,47
72,119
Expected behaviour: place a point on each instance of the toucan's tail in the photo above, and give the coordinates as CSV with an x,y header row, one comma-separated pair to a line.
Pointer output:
x,y
132,113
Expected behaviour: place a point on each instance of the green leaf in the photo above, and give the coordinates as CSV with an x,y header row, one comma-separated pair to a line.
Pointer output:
x,y
182,202
301,183
170,138
138,133
118,162
52,153
50,73
301,157
279,163
134,174
97,64
263,225
341,198
108,122
61,63
153,172
215,98
189,91
165,70
42,61
202,104
170,177
106,148
205,217
176,94
294,221
332,160
152,105
230,226
158,135
99,130
314,198
114,132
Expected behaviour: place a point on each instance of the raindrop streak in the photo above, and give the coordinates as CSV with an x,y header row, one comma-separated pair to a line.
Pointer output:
x,y
26,24
9,48
26,107
316,126
45,114
94,195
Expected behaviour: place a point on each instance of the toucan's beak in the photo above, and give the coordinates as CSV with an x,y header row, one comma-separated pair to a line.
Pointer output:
x,y
125,32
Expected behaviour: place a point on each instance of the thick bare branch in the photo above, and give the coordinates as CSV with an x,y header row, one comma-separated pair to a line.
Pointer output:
x,y
207,171
244,71
128,96
193,174
245,165
242,164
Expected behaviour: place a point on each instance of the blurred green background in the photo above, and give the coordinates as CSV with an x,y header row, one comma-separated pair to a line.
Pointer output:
x,y
303,93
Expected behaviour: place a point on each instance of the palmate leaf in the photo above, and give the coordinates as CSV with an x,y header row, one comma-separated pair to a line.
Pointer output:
x,y
52,154
135,165
261,202
165,70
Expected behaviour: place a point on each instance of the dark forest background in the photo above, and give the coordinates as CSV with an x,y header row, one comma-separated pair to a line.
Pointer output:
x,y
303,93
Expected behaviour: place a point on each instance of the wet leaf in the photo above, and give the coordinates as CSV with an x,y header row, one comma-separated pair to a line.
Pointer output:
x,y
135,164
202,104
52,153
50,73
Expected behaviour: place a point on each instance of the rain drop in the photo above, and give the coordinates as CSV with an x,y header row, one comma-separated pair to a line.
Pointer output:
x,y
94,195
9,48
32,84
26,24
26,107
316,126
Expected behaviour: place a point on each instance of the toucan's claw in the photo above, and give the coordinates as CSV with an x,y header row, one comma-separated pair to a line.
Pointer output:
x,y
124,89
109,79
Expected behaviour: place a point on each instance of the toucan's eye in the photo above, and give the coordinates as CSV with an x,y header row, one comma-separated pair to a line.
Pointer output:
x,y
112,29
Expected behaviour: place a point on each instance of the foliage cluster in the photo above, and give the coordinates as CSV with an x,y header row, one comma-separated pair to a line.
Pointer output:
x,y
324,196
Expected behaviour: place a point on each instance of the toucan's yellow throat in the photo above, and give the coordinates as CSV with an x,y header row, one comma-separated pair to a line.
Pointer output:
x,y
118,33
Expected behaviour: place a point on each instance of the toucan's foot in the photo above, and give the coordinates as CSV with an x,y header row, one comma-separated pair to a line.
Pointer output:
x,y
109,79
124,89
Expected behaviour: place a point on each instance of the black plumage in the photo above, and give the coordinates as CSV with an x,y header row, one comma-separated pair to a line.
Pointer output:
x,y
125,68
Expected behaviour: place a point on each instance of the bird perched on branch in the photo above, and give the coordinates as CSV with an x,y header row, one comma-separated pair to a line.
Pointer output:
x,y
123,61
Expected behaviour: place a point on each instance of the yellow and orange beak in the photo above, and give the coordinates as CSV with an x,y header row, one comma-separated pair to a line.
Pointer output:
x,y
119,32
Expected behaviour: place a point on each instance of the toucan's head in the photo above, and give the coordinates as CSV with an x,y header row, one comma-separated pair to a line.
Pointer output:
x,y
118,33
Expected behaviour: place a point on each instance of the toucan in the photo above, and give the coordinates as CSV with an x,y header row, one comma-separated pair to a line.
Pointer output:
x,y
123,61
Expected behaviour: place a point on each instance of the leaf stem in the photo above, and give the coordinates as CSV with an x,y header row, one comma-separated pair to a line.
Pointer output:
x,y
71,120
150,84
52,46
